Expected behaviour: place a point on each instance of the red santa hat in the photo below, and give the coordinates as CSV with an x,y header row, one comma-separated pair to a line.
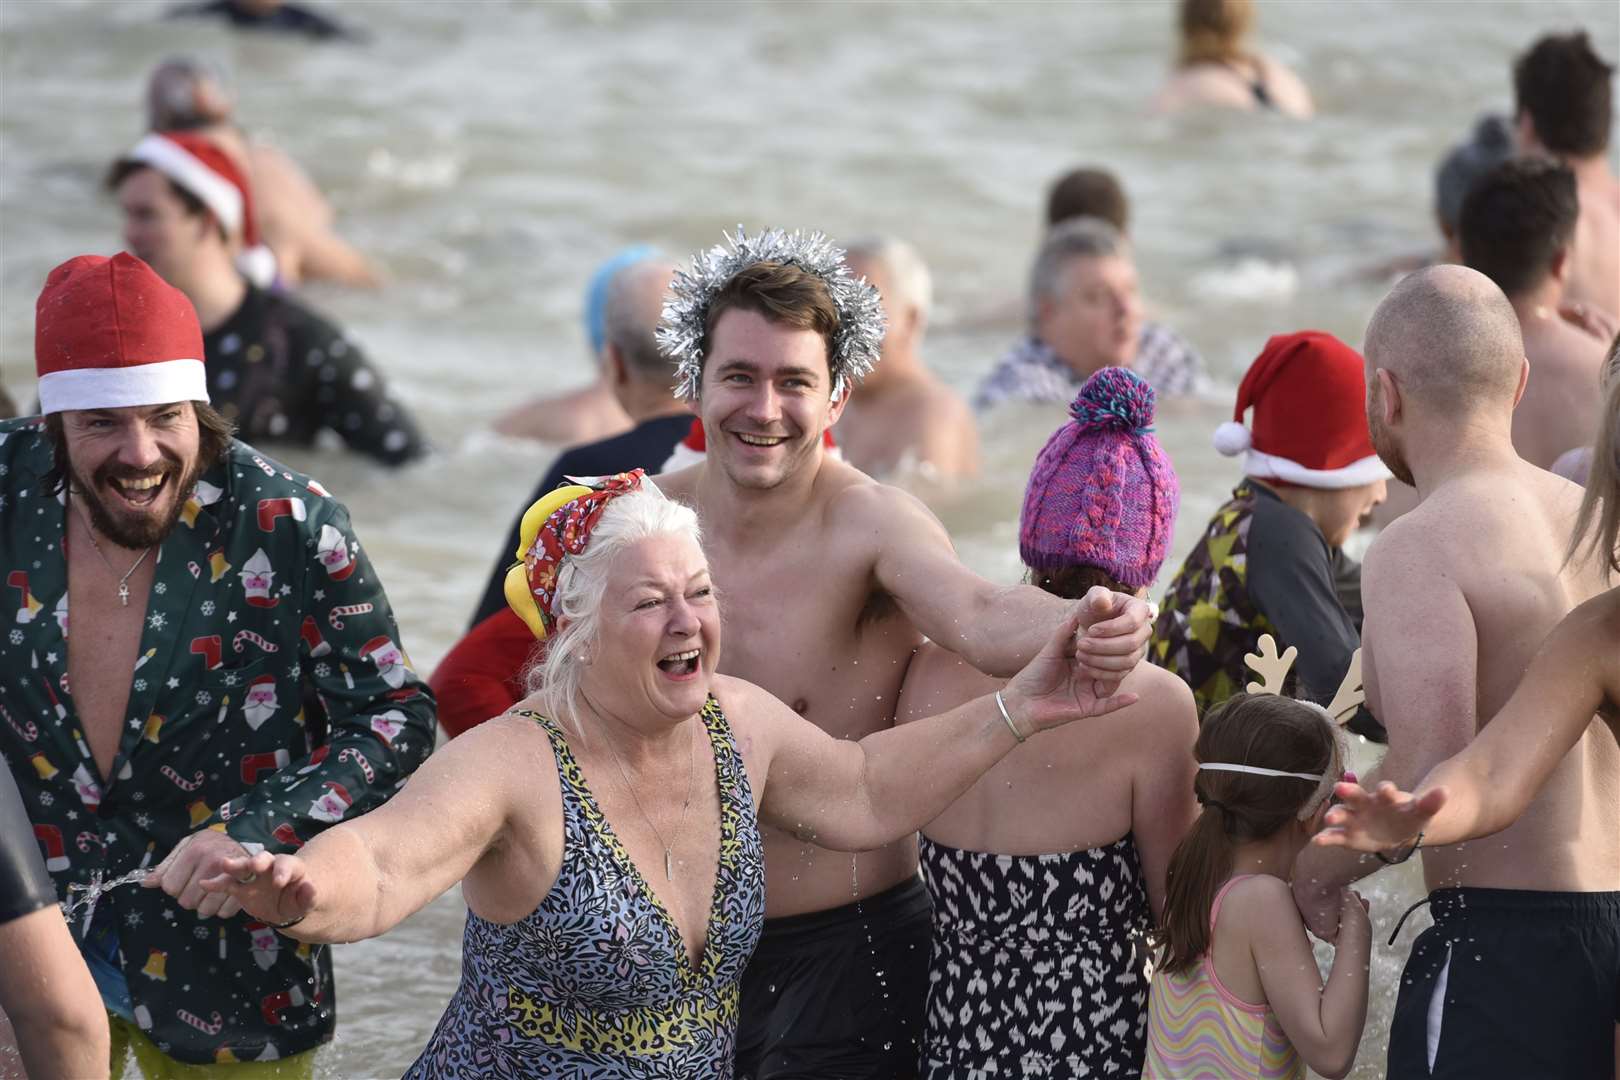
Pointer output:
x,y
197,164
262,680
1308,392
111,334
381,641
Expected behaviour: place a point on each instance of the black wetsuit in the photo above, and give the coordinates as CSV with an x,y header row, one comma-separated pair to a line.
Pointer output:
x,y
25,887
286,18
283,373
645,446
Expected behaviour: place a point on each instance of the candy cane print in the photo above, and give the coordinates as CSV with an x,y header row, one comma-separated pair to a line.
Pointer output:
x,y
257,639
204,1026
334,618
349,753
181,782
27,729
261,463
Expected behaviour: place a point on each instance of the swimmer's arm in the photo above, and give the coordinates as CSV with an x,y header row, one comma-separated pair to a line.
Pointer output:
x,y
51,1000
1162,802
996,628
1324,1022
1491,782
856,796
367,875
1419,663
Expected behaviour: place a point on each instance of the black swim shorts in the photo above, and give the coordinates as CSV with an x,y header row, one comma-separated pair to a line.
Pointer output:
x,y
1510,983
839,994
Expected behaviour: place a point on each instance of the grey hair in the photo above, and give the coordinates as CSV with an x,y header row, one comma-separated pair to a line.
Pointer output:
x,y
626,324
1077,238
582,581
906,270
172,102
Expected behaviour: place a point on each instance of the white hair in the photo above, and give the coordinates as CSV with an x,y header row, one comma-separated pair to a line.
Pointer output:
x,y
1077,238
908,274
582,581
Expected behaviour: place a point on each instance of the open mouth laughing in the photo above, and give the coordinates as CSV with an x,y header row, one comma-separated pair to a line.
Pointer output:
x,y
763,441
681,665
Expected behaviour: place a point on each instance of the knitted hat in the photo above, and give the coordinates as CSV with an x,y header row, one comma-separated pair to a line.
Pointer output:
x,y
1103,492
111,334
1308,391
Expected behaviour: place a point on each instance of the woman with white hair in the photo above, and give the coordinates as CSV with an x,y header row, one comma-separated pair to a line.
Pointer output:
x,y
606,833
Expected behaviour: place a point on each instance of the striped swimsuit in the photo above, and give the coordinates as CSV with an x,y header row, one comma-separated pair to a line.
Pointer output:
x,y
1199,1028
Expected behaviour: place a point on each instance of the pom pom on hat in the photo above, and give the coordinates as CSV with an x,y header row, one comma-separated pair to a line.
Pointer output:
x,y
1232,438
1115,399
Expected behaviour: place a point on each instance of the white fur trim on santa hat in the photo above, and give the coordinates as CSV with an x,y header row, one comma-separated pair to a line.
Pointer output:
x,y
1266,467
157,383
258,265
185,169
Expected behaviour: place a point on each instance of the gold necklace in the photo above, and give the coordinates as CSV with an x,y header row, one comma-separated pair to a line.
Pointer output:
x,y
691,772
123,582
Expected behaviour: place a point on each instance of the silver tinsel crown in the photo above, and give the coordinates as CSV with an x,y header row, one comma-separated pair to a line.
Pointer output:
x,y
856,345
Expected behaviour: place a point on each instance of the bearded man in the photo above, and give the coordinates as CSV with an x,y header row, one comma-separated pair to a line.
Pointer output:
x,y
159,719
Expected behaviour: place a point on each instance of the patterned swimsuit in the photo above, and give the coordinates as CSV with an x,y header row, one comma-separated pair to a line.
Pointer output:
x,y
1038,967
596,983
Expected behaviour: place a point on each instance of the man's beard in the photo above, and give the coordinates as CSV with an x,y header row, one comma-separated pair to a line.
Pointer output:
x,y
1389,451
140,530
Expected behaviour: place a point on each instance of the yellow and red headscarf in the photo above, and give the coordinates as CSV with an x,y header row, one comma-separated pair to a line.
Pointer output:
x,y
559,524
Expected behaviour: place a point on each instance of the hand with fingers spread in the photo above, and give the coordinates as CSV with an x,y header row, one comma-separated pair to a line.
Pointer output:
x,y
1381,820
1117,629
273,888
1058,685
197,856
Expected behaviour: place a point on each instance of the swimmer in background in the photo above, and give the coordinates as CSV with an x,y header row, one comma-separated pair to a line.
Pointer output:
x,y
1562,92
1517,227
903,416
590,412
1216,69
185,93
276,15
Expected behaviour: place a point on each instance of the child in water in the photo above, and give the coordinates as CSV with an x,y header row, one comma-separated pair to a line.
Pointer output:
x,y
1237,991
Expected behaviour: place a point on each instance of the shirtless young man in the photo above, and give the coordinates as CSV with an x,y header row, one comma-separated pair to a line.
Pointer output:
x,y
1518,975
830,582
1563,95
1517,227
904,417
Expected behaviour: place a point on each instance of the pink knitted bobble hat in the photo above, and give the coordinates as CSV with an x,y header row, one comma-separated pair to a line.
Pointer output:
x,y
1103,492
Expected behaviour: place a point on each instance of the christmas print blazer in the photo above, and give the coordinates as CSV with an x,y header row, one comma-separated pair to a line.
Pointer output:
x,y
262,594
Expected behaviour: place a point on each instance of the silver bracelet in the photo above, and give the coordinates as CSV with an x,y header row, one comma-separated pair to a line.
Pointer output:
x,y
1007,716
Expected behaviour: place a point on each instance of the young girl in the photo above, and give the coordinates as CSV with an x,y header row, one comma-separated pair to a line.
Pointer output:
x,y
1237,992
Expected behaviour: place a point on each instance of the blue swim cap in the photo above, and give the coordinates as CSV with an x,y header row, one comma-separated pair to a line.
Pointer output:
x,y
596,292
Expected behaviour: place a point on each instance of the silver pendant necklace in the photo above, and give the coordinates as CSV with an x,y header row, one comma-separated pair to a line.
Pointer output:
x,y
691,771
123,582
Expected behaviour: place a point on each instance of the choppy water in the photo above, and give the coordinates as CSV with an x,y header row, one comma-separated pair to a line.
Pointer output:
x,y
489,154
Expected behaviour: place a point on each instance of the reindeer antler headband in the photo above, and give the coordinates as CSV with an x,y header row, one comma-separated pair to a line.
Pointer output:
x,y
1273,670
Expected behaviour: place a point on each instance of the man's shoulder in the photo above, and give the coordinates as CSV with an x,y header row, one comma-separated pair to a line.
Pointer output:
x,y
300,318
634,449
251,475
25,451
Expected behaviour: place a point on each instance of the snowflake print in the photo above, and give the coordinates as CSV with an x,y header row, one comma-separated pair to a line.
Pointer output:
x,y
207,607
46,798
322,670
200,933
16,637
160,587
156,620
133,918
143,820
140,686
230,678
204,697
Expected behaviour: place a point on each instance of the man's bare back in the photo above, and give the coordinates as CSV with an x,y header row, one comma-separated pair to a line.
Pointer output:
x,y
1561,405
912,424
1494,541
1595,278
804,620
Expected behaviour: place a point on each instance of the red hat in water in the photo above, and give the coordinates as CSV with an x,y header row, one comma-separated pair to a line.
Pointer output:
x,y
196,163
111,334
1308,391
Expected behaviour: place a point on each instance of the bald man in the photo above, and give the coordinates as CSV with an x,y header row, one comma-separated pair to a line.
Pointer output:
x,y
903,418
1520,975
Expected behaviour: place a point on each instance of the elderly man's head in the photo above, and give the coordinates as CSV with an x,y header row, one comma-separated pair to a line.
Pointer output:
x,y
901,278
1083,297
1443,353
631,308
637,628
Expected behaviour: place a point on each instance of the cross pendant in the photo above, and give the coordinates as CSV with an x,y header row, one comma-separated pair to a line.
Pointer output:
x,y
669,866
123,593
